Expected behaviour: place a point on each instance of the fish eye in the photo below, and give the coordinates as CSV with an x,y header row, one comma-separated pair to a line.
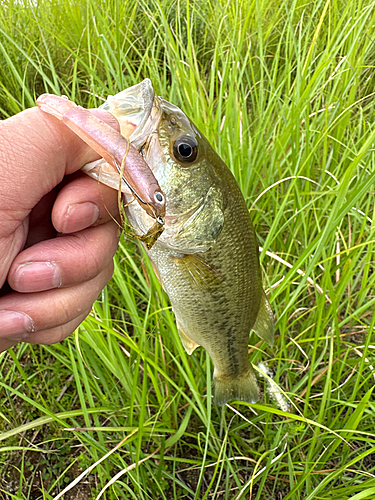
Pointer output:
x,y
159,197
185,149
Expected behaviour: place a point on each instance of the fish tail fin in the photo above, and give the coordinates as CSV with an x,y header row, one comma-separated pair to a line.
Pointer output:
x,y
243,387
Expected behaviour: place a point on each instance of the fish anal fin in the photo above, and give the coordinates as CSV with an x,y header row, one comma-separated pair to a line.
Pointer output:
x,y
264,324
243,387
189,344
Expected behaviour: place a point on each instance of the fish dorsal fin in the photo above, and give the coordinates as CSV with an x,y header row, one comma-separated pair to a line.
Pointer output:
x,y
189,344
264,324
198,272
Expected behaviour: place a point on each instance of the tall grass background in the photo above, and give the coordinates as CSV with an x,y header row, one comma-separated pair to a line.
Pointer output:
x,y
284,91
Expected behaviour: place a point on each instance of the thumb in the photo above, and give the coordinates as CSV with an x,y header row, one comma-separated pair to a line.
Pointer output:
x,y
36,152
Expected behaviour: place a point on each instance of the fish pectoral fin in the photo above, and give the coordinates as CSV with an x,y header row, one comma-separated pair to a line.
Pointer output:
x,y
189,344
199,273
264,324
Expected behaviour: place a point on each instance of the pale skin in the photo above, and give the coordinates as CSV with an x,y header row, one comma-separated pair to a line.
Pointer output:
x,y
57,233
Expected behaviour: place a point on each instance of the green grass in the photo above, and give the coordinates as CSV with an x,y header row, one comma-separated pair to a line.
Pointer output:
x,y
284,91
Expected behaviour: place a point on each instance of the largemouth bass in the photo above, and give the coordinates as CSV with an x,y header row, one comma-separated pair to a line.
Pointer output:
x,y
206,257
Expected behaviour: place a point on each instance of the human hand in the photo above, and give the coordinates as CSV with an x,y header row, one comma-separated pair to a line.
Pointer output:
x,y
49,281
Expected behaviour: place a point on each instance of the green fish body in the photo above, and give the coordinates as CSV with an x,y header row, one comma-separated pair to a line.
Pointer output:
x,y
207,256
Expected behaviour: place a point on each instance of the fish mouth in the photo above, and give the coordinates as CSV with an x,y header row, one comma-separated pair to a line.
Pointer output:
x,y
137,110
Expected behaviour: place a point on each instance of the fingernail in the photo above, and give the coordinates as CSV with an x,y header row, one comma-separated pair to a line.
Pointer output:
x,y
15,325
79,216
37,277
